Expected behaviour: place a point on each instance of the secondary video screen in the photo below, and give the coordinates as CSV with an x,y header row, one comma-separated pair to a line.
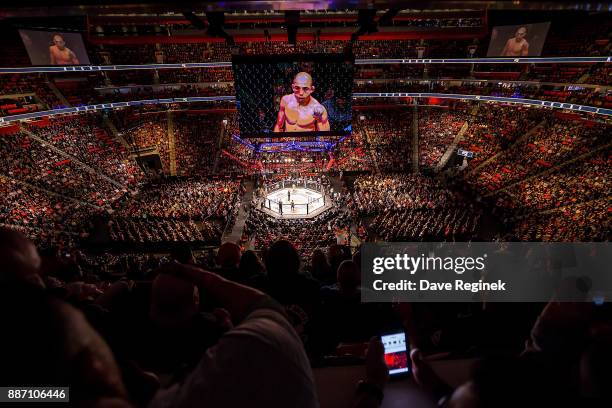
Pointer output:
x,y
291,96
525,40
54,48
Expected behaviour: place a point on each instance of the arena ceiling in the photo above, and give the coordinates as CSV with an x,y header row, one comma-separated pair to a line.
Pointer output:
x,y
41,8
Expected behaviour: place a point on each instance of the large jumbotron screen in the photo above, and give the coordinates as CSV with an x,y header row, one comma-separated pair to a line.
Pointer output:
x,y
524,40
54,48
292,96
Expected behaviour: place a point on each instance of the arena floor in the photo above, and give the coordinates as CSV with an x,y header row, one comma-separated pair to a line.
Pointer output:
x,y
306,202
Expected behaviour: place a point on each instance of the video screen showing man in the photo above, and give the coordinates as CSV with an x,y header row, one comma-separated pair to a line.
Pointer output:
x,y
525,40
296,95
517,46
59,54
54,48
300,111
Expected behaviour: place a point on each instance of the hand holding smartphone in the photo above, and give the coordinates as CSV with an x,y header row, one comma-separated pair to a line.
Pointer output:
x,y
396,353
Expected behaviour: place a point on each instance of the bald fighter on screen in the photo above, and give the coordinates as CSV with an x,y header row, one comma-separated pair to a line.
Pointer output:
x,y
59,54
517,46
299,111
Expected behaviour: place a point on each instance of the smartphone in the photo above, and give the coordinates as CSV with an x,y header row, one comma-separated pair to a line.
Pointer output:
x,y
396,353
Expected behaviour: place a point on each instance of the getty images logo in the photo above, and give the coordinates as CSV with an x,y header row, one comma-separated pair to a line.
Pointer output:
x,y
412,264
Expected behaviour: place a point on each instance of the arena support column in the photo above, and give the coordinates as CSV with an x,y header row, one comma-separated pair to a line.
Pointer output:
x,y
415,136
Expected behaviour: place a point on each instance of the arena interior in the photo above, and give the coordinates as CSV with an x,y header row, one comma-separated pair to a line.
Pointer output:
x,y
185,189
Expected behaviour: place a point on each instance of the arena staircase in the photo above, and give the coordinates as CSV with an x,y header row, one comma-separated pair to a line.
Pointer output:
x,y
516,142
222,130
110,126
415,137
371,149
552,169
57,92
584,78
452,147
336,183
72,158
235,234
458,138
171,143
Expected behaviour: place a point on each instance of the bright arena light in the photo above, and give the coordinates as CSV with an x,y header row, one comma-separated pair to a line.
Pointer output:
x,y
291,201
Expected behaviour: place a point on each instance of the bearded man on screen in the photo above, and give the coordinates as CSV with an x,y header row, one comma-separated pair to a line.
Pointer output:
x,y
299,111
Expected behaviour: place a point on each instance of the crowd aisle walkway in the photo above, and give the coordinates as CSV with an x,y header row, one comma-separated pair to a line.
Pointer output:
x,y
236,233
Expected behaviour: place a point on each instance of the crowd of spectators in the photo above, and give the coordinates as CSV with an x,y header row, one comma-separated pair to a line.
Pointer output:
x,y
373,194
587,180
198,52
600,75
437,130
28,160
353,153
235,157
248,332
578,37
495,127
591,95
112,174
16,84
195,75
392,78
196,143
84,137
185,199
294,161
389,134
440,224
78,90
128,77
237,160
133,93
584,222
306,235
209,331
163,231
24,206
208,52
124,54
411,207
557,141
151,133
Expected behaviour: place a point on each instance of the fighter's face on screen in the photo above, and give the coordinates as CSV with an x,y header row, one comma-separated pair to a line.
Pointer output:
x,y
520,33
302,87
59,41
